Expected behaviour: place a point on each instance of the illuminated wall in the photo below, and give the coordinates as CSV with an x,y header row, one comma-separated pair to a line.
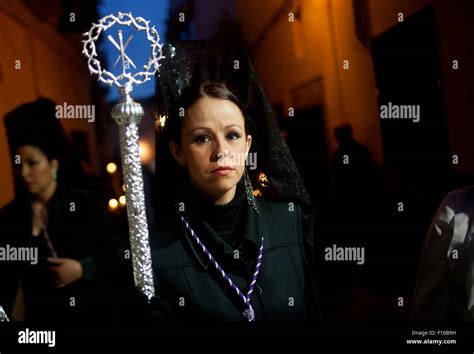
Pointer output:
x,y
49,66
317,44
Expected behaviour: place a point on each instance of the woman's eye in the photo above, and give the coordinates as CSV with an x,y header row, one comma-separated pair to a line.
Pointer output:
x,y
201,139
233,135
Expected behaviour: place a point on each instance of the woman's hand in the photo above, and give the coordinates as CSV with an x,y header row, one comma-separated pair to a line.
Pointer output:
x,y
64,271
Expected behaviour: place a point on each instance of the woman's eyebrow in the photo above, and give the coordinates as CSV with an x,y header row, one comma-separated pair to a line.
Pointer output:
x,y
204,128
233,125
208,129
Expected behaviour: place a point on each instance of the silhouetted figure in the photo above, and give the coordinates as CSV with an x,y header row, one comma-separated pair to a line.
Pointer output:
x,y
354,174
352,210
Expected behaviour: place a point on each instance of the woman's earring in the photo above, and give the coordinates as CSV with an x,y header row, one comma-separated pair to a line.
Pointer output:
x,y
55,175
249,191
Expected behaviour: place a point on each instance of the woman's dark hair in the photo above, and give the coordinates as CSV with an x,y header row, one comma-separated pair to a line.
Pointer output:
x,y
189,97
35,124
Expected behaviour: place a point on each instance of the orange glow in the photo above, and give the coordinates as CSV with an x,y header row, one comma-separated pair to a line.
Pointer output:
x,y
146,152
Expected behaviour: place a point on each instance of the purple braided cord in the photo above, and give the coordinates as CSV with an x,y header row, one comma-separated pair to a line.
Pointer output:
x,y
249,313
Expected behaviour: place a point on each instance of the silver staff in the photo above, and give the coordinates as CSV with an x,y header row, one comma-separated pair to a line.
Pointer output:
x,y
128,113
3,315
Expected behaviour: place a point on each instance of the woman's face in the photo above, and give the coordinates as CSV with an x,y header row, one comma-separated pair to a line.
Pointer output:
x,y
36,170
213,147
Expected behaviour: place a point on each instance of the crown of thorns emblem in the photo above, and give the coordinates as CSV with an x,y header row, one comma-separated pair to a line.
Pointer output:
x,y
125,78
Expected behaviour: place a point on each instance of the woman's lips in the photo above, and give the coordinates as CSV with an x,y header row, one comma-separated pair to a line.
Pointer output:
x,y
222,171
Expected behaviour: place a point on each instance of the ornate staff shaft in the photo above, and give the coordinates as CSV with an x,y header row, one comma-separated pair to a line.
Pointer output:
x,y
127,114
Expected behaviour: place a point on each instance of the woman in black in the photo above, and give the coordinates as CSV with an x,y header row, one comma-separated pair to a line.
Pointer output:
x,y
219,252
77,249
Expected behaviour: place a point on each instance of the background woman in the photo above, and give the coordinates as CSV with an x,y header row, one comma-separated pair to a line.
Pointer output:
x,y
77,249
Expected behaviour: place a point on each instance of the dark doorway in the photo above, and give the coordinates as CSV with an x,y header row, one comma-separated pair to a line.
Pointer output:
x,y
408,72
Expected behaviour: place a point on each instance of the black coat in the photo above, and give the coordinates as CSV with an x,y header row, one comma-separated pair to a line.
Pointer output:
x,y
187,281
79,229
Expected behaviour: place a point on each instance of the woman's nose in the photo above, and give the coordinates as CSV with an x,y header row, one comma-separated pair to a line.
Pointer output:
x,y
24,170
221,155
221,150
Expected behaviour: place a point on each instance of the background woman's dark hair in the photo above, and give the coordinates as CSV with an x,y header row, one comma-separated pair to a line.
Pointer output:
x,y
190,96
35,124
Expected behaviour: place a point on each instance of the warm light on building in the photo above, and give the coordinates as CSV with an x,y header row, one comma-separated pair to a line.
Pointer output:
x,y
113,204
111,167
122,200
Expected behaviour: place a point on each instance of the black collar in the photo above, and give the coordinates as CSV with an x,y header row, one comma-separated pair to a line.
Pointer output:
x,y
251,233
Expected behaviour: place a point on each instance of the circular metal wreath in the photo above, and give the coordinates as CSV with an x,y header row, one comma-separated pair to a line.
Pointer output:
x,y
126,78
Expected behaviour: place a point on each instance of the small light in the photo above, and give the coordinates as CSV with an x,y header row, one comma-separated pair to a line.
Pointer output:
x,y
160,121
262,179
123,187
111,167
122,200
257,193
113,203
